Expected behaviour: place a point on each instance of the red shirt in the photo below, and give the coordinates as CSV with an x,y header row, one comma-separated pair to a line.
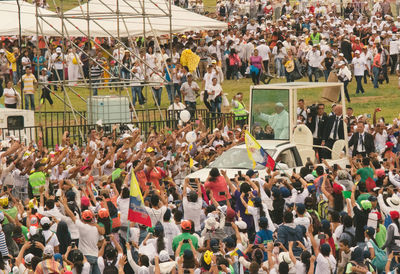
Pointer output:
x,y
154,176
219,185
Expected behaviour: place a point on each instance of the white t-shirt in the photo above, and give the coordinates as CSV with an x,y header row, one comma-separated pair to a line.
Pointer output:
x,y
359,66
192,211
156,215
89,237
304,221
123,206
263,51
85,269
20,180
53,241
101,264
325,265
10,100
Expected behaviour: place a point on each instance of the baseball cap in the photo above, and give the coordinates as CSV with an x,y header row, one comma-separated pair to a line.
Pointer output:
x,y
163,256
2,51
370,230
103,213
213,62
48,250
357,52
366,204
28,258
87,215
58,50
85,201
45,220
186,225
251,172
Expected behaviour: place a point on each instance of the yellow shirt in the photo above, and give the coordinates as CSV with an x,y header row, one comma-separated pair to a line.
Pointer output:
x,y
29,81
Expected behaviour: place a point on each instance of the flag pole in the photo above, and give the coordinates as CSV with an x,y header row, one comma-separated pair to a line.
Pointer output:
x,y
127,232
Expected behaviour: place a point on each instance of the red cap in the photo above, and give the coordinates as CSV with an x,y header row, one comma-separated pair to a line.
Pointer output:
x,y
230,215
186,225
370,184
394,214
85,201
84,168
103,213
389,144
379,215
87,215
337,189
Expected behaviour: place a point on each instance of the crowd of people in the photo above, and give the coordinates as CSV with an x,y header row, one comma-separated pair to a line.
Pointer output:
x,y
66,210
263,40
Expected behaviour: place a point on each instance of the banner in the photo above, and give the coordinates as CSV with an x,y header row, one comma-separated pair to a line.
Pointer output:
x,y
137,212
256,153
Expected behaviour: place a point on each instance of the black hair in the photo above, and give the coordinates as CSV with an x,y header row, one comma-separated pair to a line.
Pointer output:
x,y
50,203
335,217
125,193
347,221
160,240
319,170
63,236
305,259
288,217
365,161
154,200
144,260
338,204
178,215
345,242
283,268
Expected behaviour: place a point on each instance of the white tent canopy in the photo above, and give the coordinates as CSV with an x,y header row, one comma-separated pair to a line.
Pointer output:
x,y
131,21
9,24
103,19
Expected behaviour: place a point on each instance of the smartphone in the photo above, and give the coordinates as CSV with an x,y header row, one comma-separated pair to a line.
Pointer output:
x,y
321,236
267,178
294,170
396,253
192,180
222,193
348,166
186,241
335,167
148,183
73,245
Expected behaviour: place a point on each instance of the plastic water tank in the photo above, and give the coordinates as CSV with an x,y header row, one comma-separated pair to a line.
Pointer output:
x,y
109,109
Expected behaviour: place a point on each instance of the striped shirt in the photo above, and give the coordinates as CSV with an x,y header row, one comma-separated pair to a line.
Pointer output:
x,y
95,71
29,81
48,266
3,245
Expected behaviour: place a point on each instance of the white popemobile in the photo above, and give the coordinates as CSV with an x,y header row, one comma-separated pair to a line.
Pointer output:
x,y
294,145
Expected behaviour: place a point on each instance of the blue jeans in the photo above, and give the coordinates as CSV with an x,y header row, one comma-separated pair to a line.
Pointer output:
x,y
157,95
375,73
326,74
94,86
15,77
216,105
30,97
170,92
177,90
125,75
92,260
280,69
310,71
359,84
137,91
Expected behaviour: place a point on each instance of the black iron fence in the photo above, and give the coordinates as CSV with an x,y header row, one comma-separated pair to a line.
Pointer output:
x,y
52,125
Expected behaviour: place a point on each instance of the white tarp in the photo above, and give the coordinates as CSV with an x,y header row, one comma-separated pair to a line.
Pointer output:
x,y
157,10
103,21
9,24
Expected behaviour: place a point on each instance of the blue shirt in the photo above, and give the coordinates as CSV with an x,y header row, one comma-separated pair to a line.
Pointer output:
x,y
167,75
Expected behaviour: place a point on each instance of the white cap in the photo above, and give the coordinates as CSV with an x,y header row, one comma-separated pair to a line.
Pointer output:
x,y
341,63
45,220
341,54
2,51
279,104
58,50
357,52
48,250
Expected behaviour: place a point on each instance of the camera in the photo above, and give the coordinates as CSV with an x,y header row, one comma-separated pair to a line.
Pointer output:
x,y
312,110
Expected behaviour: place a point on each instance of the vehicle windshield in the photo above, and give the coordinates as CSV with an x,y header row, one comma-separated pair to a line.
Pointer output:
x,y
236,158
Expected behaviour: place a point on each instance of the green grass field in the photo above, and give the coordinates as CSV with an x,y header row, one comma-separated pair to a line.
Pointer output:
x,y
387,96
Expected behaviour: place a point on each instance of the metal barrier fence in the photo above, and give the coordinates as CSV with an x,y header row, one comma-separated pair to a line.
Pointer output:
x,y
52,125
53,134
25,135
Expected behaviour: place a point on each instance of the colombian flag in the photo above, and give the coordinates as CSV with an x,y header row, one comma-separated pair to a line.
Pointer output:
x,y
256,153
137,213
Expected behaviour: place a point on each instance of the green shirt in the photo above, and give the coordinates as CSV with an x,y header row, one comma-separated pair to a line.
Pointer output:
x,y
13,212
184,236
380,236
36,180
365,173
116,174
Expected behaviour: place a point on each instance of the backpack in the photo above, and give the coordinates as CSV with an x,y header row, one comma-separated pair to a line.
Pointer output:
x,y
323,209
380,257
110,268
353,241
396,234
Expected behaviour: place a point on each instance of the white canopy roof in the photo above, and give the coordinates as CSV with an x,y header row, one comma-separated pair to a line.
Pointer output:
x,y
9,24
103,15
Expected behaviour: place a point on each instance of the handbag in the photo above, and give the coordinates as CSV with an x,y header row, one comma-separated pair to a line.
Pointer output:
x,y
225,102
18,97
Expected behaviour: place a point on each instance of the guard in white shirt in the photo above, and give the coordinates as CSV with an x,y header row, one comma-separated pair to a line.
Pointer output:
x,y
359,66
